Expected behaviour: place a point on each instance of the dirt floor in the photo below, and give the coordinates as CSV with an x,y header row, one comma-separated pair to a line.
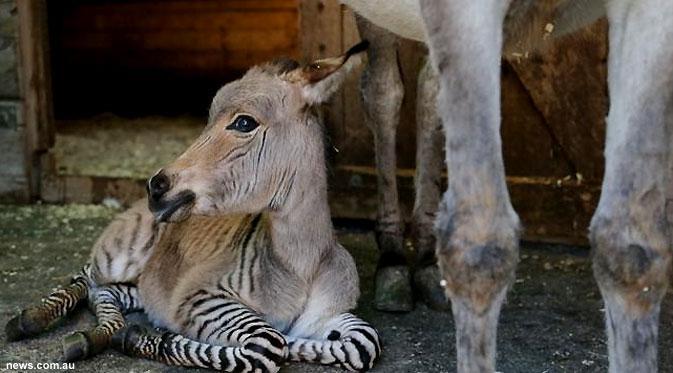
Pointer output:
x,y
551,323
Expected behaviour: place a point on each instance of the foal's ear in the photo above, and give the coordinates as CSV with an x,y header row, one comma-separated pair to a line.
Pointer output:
x,y
321,78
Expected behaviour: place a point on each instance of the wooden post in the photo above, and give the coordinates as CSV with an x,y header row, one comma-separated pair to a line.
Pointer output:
x,y
35,82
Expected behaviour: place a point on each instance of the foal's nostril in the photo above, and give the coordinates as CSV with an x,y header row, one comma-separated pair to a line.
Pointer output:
x,y
158,185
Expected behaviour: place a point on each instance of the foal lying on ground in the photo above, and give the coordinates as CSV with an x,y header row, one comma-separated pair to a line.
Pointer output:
x,y
247,273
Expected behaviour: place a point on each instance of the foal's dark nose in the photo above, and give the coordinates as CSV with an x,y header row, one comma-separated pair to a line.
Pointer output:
x,y
158,185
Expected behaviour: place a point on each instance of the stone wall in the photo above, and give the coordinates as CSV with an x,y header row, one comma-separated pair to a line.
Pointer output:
x,y
13,181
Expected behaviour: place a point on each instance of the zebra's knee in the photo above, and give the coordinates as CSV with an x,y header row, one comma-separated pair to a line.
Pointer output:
x,y
630,267
477,255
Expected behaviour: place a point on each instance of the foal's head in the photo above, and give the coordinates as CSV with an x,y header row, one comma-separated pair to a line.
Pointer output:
x,y
262,132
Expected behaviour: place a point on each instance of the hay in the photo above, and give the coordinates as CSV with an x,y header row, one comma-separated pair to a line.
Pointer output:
x,y
112,146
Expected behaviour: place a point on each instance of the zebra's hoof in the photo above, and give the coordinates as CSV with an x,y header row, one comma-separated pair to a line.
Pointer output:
x,y
13,330
76,346
427,285
393,289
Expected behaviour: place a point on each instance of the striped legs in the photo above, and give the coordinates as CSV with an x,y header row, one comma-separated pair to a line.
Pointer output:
x,y
250,343
34,320
109,303
348,342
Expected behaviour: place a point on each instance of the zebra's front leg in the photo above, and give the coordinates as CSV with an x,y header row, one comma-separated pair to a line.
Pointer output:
x,y
477,228
345,341
109,303
630,231
427,182
218,332
382,93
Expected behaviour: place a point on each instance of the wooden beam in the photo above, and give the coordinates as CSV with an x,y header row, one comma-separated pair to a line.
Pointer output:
x,y
35,84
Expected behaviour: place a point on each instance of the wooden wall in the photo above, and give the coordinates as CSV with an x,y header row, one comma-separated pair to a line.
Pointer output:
x,y
13,178
146,57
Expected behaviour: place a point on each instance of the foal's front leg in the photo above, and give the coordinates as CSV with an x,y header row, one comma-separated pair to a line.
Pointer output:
x,y
477,245
219,333
109,303
630,232
382,93
345,341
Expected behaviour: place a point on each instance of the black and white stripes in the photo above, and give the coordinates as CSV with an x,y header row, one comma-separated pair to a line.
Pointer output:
x,y
212,320
350,343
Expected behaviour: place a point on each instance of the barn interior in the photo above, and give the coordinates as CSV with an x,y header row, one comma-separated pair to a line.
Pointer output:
x,y
135,78
96,95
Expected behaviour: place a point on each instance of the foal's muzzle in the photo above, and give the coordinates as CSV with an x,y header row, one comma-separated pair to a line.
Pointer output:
x,y
161,206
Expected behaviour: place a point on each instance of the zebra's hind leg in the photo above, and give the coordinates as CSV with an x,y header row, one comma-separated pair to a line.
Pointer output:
x,y
34,320
219,333
347,342
109,303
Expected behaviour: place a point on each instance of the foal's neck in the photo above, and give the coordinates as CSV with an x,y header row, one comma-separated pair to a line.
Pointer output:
x,y
301,231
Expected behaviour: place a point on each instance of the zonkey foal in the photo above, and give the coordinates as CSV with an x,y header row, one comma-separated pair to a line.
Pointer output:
x,y
236,255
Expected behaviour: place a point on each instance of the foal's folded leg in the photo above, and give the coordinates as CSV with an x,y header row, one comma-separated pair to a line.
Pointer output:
x,y
219,333
36,319
347,342
109,304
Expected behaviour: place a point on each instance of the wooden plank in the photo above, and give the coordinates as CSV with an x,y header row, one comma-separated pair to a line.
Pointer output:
x,y
321,36
93,19
36,86
215,64
353,139
568,84
320,25
180,41
177,6
13,179
528,148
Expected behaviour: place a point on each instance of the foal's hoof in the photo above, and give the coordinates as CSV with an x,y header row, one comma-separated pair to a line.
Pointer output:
x,y
428,288
124,339
20,327
76,346
13,330
393,289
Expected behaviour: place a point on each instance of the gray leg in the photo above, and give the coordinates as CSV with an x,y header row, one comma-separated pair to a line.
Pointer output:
x,y
382,93
429,164
630,232
477,229
427,182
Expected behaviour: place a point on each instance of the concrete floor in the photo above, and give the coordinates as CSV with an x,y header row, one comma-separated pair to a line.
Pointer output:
x,y
551,323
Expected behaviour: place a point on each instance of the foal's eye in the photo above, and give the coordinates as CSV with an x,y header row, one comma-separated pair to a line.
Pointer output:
x,y
243,123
